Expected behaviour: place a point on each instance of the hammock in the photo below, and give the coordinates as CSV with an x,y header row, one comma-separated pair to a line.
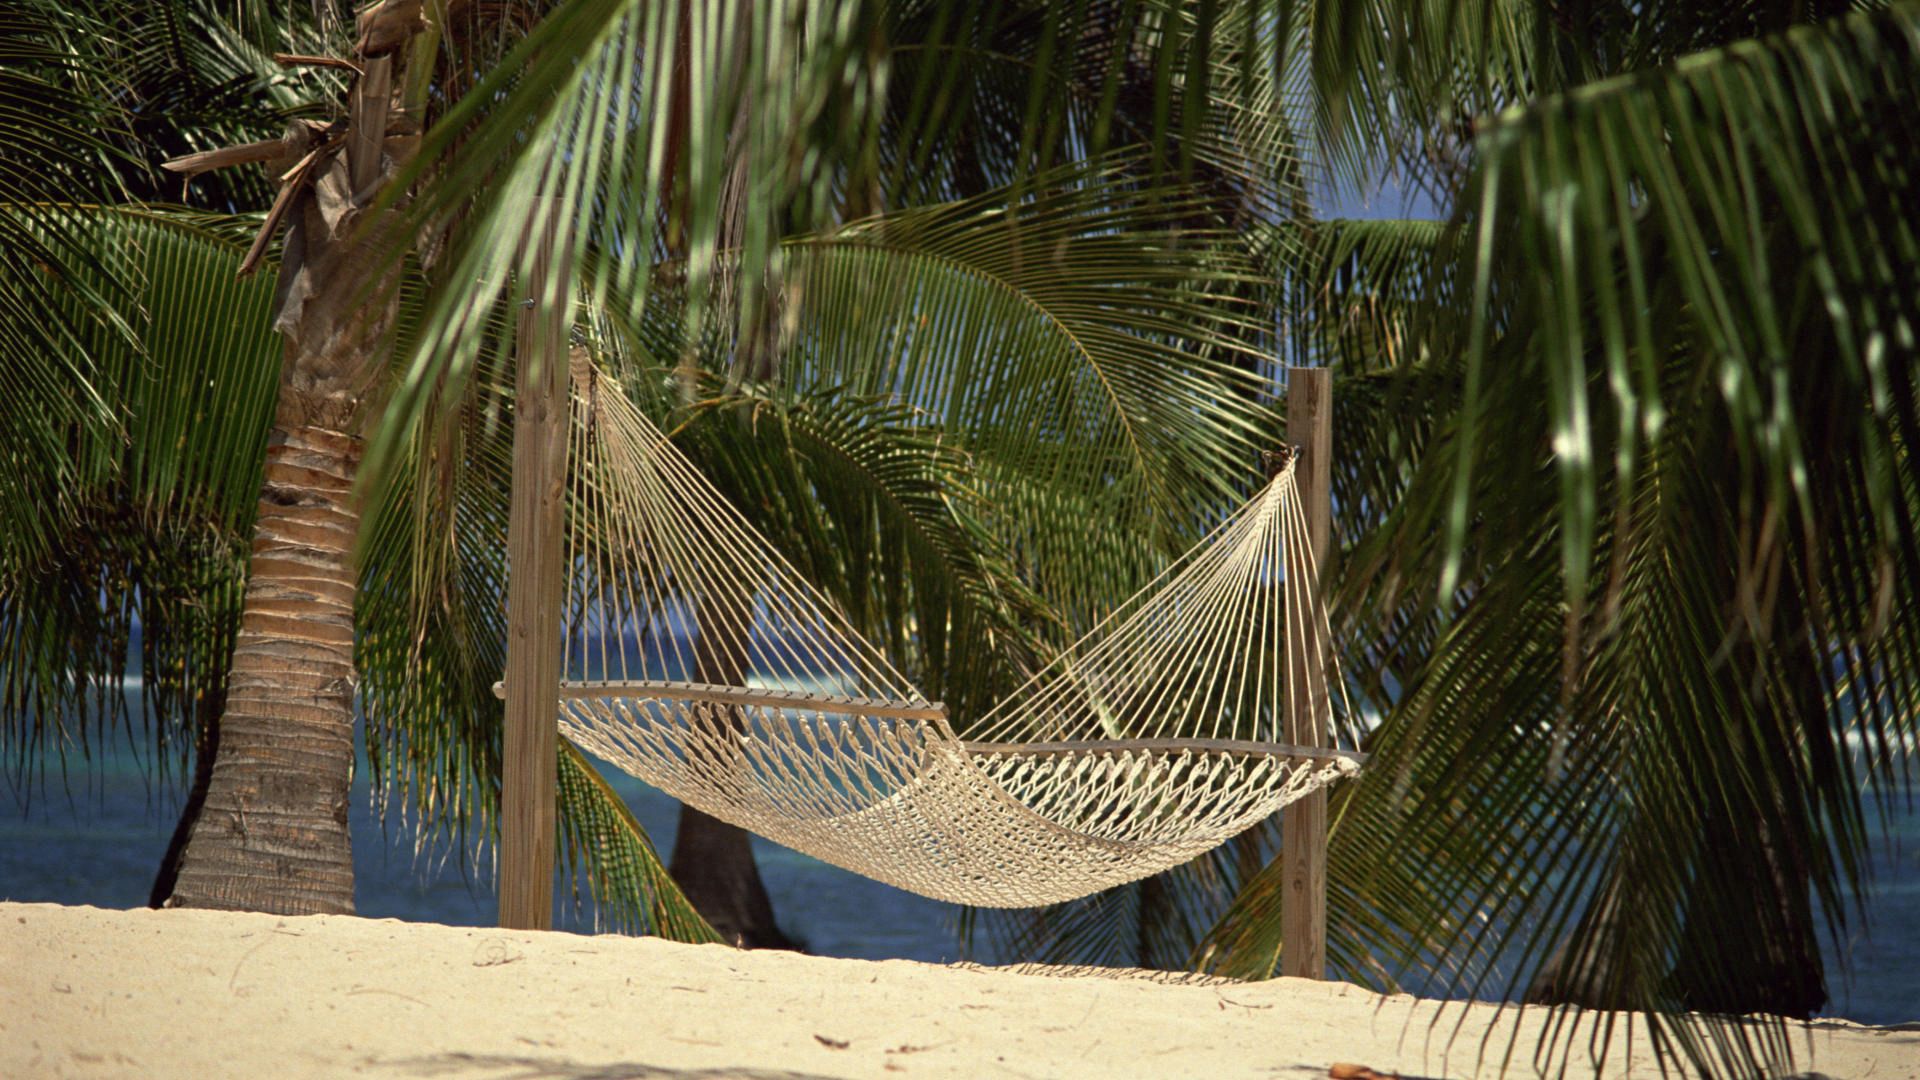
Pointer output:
x,y
700,661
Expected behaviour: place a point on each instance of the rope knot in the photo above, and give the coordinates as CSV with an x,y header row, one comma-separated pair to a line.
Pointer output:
x,y
1275,462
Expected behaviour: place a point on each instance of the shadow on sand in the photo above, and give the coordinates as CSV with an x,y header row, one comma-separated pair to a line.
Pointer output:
x,y
505,1067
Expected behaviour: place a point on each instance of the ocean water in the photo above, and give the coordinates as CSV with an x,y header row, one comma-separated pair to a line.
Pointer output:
x,y
97,837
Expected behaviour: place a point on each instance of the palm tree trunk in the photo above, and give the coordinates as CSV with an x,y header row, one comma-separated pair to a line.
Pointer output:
x,y
272,833
713,863
205,751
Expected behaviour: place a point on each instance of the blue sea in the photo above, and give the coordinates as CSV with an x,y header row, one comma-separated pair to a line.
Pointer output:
x,y
98,837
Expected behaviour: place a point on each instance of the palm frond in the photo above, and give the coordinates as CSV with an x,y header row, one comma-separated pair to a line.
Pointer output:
x,y
121,579
601,842
1641,602
603,117
1362,292
1083,348
52,134
131,513
980,97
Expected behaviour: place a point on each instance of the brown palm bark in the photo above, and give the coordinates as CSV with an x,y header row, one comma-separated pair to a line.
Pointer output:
x,y
720,879
271,833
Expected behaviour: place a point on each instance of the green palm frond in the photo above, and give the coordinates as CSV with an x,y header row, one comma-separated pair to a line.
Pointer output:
x,y
93,93
880,508
1395,89
1770,219
1378,88
193,75
602,843
52,134
644,155
1083,347
582,113
134,509
163,79
1660,487
1073,82
1362,292
142,518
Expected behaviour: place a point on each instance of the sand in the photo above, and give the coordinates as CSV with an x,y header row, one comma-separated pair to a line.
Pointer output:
x,y
89,992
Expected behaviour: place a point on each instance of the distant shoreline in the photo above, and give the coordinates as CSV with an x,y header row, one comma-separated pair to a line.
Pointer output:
x,y
93,992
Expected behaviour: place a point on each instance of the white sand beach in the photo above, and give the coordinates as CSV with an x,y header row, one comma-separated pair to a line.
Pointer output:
x,y
90,992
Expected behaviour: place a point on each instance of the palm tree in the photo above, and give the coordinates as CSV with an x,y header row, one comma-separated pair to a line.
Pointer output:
x,y
154,421
271,829
1629,506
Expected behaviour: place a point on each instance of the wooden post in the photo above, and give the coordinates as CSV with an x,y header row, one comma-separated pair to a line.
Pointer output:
x,y
530,763
1303,824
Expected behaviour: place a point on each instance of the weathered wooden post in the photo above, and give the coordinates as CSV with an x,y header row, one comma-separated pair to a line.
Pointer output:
x,y
530,763
1303,824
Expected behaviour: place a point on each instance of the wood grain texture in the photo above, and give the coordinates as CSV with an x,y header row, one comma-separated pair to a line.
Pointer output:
x,y
535,579
1303,824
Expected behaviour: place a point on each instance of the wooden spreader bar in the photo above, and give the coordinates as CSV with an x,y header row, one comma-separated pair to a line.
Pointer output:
x,y
656,690
1239,747
659,690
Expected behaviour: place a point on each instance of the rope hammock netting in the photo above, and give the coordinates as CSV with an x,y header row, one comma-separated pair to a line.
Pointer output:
x,y
699,660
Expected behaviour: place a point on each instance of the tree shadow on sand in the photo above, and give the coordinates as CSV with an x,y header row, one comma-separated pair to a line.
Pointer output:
x,y
507,1067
